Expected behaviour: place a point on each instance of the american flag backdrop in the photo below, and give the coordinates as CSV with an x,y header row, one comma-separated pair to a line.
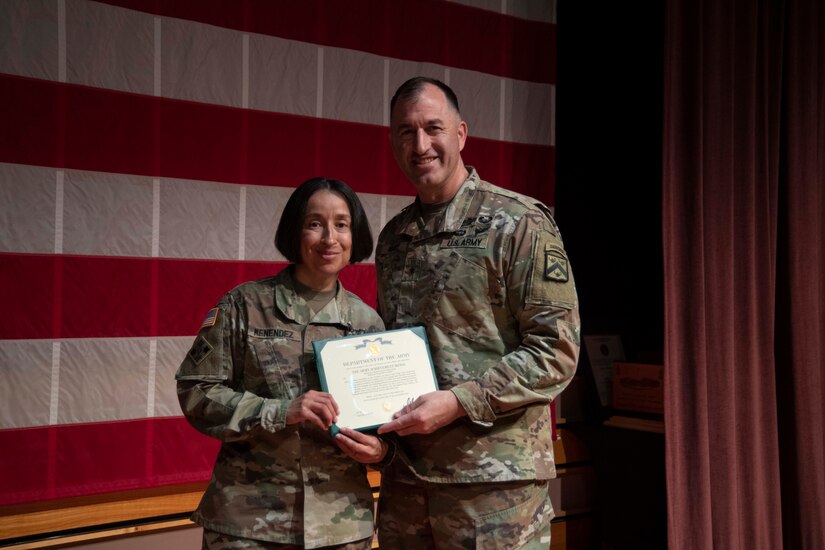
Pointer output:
x,y
146,150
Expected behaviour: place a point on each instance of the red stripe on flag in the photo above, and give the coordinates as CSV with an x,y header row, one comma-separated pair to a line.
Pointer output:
x,y
24,465
534,167
354,152
27,289
212,135
189,288
112,131
181,454
361,280
102,457
424,30
106,297
29,121
526,169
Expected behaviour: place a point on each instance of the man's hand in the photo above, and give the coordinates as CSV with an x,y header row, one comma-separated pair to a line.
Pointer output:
x,y
317,407
426,414
366,449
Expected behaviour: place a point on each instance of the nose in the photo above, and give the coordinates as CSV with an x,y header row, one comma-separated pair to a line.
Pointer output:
x,y
328,234
422,141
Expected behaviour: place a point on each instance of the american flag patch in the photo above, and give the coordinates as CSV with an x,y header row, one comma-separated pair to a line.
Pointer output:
x,y
211,317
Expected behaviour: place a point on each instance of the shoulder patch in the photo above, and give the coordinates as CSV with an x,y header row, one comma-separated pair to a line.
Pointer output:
x,y
200,350
211,318
551,279
556,265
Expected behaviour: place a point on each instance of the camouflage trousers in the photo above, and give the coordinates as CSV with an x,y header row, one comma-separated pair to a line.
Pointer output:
x,y
213,540
419,515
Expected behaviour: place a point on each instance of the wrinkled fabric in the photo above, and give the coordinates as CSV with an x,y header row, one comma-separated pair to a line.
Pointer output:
x,y
221,541
490,280
272,481
414,514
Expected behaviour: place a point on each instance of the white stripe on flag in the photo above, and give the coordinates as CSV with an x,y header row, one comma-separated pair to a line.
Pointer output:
x,y
61,40
242,223
386,99
58,212
245,72
502,102
319,97
55,386
155,217
157,57
150,386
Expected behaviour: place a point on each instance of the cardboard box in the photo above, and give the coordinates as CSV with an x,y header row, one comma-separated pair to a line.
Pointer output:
x,y
638,387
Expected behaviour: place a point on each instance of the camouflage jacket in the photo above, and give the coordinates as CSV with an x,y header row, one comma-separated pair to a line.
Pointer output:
x,y
490,281
273,482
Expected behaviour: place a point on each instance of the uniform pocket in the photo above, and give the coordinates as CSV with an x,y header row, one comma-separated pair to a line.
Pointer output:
x,y
525,525
274,368
463,305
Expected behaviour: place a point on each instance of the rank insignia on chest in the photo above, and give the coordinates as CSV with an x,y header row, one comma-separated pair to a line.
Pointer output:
x,y
555,266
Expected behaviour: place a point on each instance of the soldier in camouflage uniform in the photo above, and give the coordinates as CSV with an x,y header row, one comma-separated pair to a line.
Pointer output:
x,y
280,480
485,271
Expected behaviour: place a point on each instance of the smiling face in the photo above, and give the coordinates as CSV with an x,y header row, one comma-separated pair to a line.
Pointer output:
x,y
326,240
427,137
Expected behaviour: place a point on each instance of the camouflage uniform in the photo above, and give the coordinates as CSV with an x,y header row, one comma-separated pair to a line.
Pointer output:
x,y
273,482
490,280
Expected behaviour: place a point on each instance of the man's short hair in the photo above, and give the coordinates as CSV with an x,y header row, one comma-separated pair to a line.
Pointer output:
x,y
414,86
288,234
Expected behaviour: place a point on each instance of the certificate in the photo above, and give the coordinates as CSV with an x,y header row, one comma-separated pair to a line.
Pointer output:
x,y
372,376
602,351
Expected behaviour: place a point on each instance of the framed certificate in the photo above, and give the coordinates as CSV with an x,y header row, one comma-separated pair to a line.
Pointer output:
x,y
372,376
602,351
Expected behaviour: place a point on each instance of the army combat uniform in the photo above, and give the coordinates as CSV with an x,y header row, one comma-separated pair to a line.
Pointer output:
x,y
273,482
490,280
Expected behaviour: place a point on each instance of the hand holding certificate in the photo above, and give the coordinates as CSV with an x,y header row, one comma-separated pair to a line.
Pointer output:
x,y
372,376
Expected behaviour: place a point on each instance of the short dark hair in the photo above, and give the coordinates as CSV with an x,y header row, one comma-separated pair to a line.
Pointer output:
x,y
412,87
288,234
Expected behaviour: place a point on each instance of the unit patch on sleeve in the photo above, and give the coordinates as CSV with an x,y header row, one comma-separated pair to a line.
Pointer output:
x,y
211,318
555,266
551,279
200,350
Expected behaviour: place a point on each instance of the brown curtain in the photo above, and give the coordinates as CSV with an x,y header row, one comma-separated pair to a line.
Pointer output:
x,y
744,249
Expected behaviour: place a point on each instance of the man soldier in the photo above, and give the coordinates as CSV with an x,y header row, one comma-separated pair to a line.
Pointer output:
x,y
485,271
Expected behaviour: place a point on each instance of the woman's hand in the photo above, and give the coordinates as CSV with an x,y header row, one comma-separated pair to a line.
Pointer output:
x,y
317,407
364,448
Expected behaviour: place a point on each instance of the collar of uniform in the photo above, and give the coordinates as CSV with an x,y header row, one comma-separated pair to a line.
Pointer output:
x,y
295,308
453,215
457,210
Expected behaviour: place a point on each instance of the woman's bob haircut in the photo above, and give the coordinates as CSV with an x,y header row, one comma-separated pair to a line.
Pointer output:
x,y
288,234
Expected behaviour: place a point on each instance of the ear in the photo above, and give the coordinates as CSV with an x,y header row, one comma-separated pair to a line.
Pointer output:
x,y
462,135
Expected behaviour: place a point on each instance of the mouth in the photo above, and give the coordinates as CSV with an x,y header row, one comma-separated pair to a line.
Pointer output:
x,y
424,161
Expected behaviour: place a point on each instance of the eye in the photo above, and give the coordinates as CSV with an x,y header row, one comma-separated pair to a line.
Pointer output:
x,y
312,224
